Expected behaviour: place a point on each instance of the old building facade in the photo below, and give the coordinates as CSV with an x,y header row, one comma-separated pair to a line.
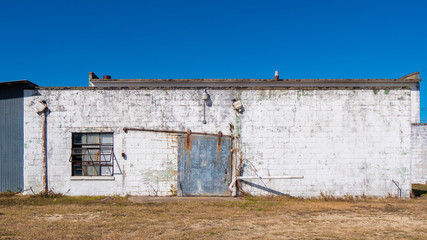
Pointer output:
x,y
192,137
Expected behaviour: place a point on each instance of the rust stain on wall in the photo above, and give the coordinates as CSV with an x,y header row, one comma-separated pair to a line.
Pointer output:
x,y
188,140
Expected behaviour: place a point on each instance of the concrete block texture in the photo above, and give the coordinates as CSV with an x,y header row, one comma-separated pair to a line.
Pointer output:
x,y
419,154
354,142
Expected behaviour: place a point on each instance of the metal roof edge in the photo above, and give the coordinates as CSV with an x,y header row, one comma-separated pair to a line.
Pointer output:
x,y
93,81
24,83
363,87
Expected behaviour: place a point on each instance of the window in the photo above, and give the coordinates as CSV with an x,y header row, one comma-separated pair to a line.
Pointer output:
x,y
92,154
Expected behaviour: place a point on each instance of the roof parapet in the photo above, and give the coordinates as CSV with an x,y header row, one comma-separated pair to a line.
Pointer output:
x,y
92,76
106,81
412,76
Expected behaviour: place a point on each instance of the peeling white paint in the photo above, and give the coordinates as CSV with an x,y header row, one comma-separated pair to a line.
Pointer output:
x,y
341,141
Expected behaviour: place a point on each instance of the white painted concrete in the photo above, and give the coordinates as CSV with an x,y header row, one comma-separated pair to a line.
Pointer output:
x,y
419,154
342,141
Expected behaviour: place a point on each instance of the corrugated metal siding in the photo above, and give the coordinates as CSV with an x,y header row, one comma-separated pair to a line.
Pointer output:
x,y
11,139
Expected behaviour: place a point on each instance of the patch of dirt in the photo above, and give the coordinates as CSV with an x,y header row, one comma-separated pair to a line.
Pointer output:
x,y
213,218
143,199
88,216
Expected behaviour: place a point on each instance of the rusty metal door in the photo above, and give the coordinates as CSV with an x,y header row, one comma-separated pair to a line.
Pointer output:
x,y
204,165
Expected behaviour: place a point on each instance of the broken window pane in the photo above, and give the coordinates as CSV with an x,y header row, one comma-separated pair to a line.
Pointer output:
x,y
92,154
77,138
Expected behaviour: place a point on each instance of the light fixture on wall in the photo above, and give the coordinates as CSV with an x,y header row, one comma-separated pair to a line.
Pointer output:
x,y
40,107
238,106
205,98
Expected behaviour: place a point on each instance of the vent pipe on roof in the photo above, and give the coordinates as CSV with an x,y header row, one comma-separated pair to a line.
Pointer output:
x,y
106,77
276,75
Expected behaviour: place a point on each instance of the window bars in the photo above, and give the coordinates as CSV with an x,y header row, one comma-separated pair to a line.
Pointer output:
x,y
92,154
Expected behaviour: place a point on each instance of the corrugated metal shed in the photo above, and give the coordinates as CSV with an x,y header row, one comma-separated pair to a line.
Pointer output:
x,y
12,135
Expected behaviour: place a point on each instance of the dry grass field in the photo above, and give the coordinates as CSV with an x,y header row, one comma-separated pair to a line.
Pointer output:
x,y
36,217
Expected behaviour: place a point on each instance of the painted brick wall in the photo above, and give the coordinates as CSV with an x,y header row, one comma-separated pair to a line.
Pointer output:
x,y
419,153
150,163
342,141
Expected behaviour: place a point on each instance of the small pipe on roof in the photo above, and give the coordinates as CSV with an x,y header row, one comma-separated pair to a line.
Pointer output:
x,y
106,77
276,75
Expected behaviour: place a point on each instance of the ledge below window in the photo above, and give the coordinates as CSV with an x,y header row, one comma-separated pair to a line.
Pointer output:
x,y
92,178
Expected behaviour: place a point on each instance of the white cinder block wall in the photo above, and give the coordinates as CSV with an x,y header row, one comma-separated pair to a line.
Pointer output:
x,y
419,153
150,163
342,141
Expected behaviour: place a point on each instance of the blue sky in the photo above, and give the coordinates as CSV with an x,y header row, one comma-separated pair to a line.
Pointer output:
x,y
56,43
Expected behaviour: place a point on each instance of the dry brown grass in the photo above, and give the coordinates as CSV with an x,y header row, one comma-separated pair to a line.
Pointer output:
x,y
255,218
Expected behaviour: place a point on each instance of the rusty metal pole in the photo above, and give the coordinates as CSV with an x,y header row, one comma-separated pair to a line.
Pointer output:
x,y
171,131
44,137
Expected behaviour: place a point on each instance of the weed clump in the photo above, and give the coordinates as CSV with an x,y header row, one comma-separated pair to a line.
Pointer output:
x,y
173,190
7,194
48,194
